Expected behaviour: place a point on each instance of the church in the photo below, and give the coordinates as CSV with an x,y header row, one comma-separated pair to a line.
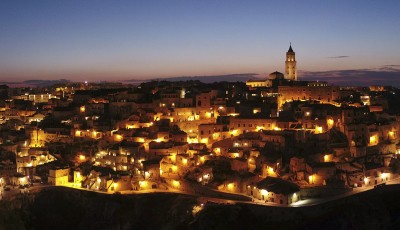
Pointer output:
x,y
290,72
286,87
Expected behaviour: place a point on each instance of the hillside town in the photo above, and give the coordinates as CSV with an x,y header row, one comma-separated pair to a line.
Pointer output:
x,y
278,140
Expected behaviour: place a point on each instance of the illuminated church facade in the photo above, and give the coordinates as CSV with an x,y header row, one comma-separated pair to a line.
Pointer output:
x,y
290,72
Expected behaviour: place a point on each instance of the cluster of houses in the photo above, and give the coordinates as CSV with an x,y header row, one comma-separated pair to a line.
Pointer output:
x,y
229,137
273,139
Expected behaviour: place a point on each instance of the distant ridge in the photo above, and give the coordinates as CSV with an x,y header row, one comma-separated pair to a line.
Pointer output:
x,y
208,79
35,83
386,75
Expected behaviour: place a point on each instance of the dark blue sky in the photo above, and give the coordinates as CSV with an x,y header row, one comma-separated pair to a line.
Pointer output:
x,y
115,40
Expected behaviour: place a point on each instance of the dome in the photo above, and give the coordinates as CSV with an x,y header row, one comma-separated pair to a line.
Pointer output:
x,y
276,75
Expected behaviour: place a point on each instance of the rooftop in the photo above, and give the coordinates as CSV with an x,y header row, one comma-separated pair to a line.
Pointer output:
x,y
278,186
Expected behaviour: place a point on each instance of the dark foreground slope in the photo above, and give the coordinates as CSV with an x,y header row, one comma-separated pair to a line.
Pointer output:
x,y
72,209
62,208
374,209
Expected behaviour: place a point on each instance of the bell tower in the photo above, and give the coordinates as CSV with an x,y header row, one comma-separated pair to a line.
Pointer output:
x,y
290,65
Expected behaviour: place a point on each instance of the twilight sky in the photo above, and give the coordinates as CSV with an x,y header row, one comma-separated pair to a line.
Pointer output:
x,y
117,40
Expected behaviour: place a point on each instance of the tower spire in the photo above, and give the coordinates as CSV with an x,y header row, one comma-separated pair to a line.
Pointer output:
x,y
290,48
